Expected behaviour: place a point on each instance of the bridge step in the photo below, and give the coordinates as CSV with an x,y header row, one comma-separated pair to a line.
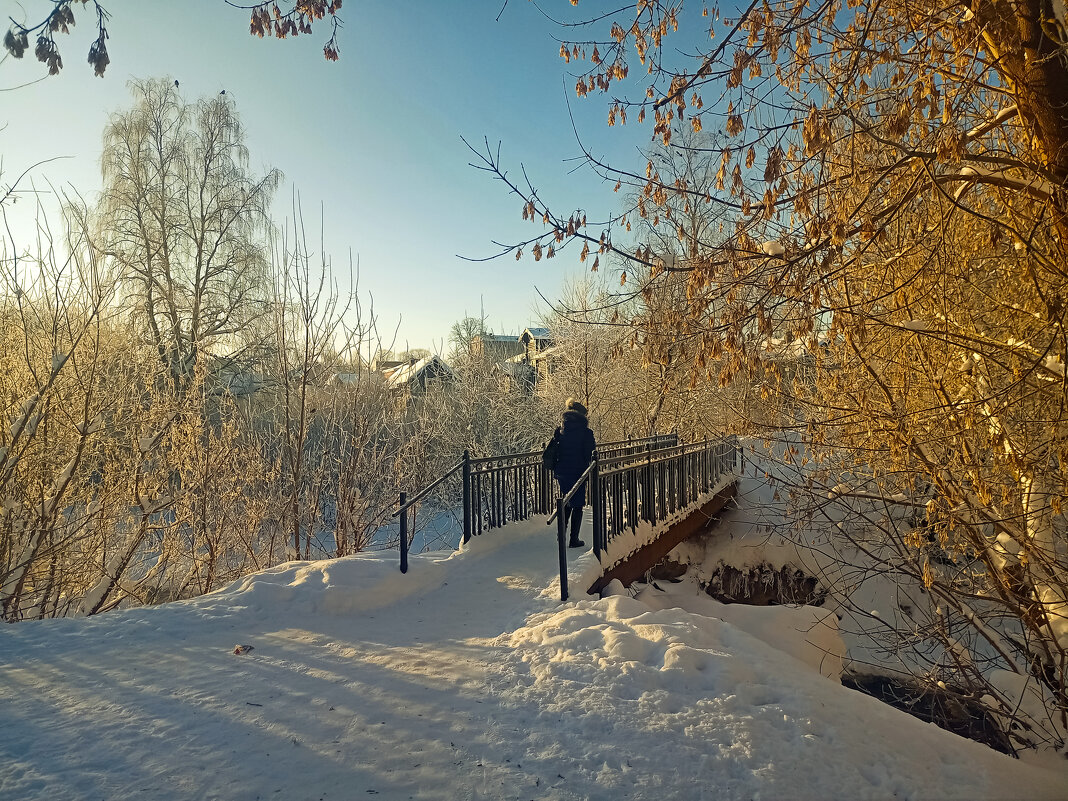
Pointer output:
x,y
641,561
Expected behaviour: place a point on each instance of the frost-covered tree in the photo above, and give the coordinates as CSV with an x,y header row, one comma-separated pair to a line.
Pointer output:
x,y
462,334
185,220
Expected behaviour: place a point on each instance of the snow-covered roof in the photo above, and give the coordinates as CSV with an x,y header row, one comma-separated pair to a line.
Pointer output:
x,y
498,338
516,366
778,349
537,333
523,358
397,377
347,379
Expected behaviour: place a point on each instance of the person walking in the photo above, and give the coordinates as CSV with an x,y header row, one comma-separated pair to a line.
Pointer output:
x,y
575,445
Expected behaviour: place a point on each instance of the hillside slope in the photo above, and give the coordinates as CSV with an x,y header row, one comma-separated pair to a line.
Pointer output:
x,y
464,679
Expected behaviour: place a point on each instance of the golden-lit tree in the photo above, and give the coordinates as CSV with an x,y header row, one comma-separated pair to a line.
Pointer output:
x,y
889,209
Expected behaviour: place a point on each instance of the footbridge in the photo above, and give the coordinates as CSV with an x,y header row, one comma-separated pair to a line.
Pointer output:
x,y
647,496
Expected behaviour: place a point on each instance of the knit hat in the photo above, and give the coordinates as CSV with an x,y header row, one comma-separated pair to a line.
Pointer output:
x,y
576,406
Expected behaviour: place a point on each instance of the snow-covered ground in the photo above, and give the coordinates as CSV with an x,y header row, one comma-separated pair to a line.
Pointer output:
x,y
464,679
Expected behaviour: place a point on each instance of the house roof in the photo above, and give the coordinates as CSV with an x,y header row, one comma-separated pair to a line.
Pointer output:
x,y
497,338
778,349
513,367
345,378
537,333
397,377
548,353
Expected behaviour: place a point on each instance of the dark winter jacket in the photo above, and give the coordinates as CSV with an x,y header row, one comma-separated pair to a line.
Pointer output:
x,y
576,451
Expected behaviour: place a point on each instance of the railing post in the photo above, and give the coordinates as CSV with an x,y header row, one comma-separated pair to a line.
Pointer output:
x,y
649,506
684,477
594,488
561,525
467,495
707,468
403,535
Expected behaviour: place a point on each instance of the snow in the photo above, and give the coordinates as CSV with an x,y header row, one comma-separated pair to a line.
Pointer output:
x,y
1004,114
769,528
1034,185
1054,364
465,678
773,248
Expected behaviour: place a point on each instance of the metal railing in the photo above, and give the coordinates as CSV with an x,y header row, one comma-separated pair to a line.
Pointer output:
x,y
627,491
497,490
560,515
631,483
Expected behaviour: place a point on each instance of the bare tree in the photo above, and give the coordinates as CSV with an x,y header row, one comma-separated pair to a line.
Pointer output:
x,y
184,219
461,335
53,311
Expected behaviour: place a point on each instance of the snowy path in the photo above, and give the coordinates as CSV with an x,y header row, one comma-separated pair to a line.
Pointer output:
x,y
464,679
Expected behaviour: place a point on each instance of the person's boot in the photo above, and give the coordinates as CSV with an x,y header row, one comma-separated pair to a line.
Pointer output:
x,y
576,524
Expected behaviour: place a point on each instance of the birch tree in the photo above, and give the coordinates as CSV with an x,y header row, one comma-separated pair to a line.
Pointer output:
x,y
185,220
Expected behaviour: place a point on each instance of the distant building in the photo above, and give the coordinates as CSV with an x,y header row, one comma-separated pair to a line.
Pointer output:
x,y
533,364
516,373
381,365
346,379
494,348
416,375
535,340
540,350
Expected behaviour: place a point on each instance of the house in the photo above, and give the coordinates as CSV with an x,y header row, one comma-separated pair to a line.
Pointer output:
x,y
544,363
538,352
345,379
495,348
533,363
534,341
415,375
516,373
382,365
521,361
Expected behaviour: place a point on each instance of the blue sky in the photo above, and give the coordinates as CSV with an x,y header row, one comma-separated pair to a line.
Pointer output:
x,y
372,140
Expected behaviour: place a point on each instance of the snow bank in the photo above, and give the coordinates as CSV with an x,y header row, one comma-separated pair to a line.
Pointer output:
x,y
631,678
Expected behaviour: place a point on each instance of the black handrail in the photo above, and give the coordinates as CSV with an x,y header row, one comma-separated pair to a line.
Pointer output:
x,y
630,489
617,448
578,484
404,505
560,516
